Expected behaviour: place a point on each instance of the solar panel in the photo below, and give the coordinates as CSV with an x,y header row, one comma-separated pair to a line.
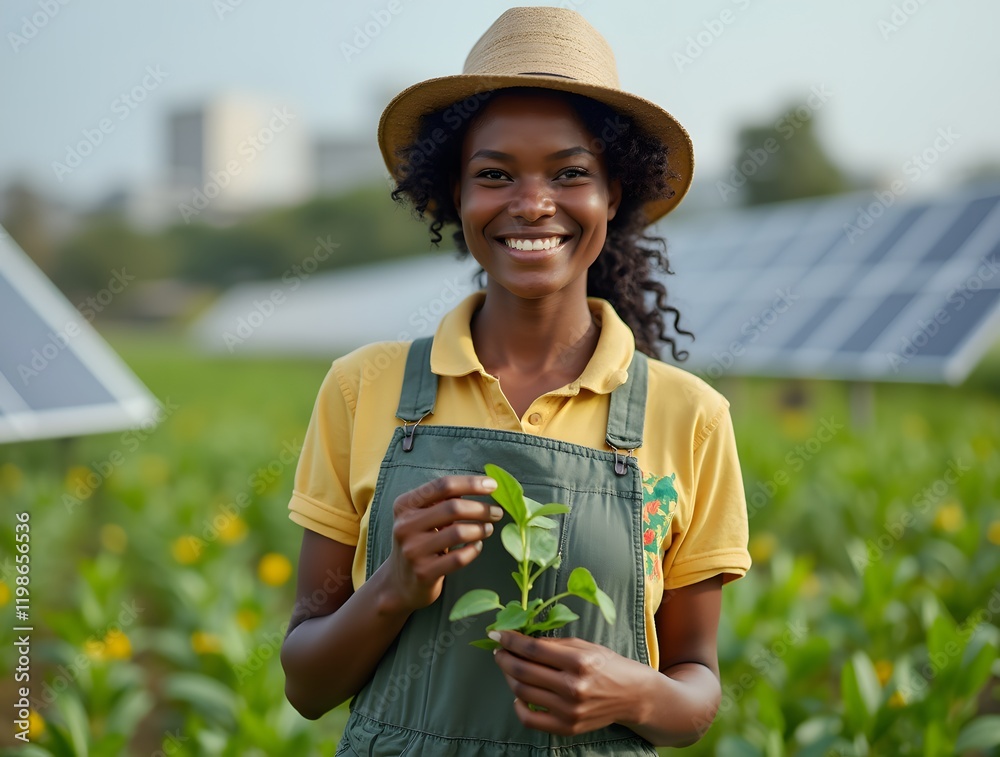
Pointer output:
x,y
863,286
58,377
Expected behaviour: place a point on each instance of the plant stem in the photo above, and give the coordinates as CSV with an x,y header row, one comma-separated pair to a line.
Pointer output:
x,y
525,567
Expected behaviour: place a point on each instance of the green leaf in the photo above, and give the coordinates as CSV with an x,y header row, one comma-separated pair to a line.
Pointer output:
x,y
542,522
860,691
511,618
553,508
475,602
976,673
607,606
558,616
485,644
519,579
981,733
510,535
581,584
509,493
543,547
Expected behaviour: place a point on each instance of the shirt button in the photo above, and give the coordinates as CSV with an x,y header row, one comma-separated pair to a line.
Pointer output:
x,y
534,419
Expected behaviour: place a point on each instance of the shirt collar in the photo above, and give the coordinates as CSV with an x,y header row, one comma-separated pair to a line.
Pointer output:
x,y
453,353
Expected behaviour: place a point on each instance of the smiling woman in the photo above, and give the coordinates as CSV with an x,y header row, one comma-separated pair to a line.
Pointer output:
x,y
550,174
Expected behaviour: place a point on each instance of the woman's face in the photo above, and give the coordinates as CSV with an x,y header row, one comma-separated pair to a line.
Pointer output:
x,y
534,199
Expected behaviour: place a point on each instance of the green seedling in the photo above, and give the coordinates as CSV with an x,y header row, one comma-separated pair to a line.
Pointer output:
x,y
531,541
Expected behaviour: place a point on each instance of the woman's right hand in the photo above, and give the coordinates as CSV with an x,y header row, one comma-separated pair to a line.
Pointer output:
x,y
429,523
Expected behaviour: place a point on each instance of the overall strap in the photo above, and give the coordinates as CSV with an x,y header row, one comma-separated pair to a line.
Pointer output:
x,y
627,413
416,399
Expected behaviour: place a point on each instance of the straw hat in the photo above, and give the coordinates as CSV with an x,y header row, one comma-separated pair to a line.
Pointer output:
x,y
552,48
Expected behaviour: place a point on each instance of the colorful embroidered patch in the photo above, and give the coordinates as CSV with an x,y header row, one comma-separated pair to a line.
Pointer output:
x,y
658,493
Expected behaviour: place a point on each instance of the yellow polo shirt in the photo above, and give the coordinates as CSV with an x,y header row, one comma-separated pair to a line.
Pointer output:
x,y
695,514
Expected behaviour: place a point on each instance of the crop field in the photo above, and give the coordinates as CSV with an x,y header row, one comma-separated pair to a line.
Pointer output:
x,y
163,561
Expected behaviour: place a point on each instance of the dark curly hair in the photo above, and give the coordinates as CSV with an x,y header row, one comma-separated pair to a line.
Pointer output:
x,y
622,272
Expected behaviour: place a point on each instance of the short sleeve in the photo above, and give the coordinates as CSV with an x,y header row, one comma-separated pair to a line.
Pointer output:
x,y
712,538
321,497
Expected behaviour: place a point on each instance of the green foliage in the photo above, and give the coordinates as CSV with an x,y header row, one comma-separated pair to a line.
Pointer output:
x,y
842,583
530,541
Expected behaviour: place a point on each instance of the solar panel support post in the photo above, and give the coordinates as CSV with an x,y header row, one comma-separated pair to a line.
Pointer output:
x,y
861,400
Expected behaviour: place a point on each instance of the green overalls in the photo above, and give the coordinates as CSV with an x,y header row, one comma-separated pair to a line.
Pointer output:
x,y
432,694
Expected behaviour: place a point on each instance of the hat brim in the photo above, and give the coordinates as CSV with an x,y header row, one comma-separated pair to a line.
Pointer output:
x,y
400,120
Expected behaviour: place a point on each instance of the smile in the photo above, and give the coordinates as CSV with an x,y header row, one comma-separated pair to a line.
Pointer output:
x,y
534,244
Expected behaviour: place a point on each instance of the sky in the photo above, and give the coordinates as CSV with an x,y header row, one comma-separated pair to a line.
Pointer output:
x,y
887,77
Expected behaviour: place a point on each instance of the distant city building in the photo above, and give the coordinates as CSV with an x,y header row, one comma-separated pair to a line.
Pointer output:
x,y
343,163
236,154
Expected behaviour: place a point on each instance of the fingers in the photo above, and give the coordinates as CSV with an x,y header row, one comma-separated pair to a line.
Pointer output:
x,y
444,488
560,654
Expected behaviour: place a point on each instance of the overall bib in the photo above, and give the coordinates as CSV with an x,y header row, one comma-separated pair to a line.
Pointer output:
x,y
432,693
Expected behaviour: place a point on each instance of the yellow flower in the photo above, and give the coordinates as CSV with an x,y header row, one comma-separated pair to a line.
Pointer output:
x,y
11,477
762,547
117,646
247,619
96,650
992,534
897,700
883,669
204,642
113,538
81,481
795,423
274,569
186,549
36,725
949,517
233,530
4,594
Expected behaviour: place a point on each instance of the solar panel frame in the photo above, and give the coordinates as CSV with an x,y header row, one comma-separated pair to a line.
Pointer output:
x,y
129,403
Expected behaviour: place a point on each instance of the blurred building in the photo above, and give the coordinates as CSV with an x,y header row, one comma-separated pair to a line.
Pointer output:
x,y
342,163
236,154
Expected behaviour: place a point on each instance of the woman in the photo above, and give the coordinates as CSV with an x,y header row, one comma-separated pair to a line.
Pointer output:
x,y
550,172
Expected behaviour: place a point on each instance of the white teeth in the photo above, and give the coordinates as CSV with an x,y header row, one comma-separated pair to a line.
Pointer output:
x,y
533,244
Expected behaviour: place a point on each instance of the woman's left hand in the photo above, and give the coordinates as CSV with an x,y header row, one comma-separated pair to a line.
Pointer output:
x,y
582,686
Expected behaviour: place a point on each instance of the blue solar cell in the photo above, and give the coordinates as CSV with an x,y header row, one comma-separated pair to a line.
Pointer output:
x,y
959,231
873,327
814,322
963,313
37,362
903,225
